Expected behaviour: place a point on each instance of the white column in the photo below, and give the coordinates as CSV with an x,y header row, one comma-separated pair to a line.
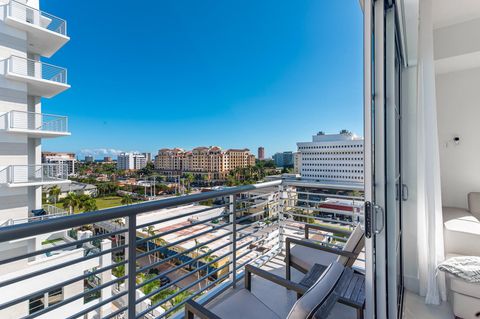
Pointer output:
x,y
106,276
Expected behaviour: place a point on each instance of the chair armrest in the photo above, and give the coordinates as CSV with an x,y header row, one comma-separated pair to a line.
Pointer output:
x,y
193,309
325,228
249,270
310,244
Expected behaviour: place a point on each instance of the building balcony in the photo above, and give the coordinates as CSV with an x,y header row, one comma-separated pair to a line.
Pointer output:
x,y
38,125
42,79
182,248
46,212
46,33
34,175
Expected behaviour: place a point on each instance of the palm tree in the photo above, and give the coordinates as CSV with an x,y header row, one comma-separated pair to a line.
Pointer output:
x,y
88,205
54,192
150,231
127,199
189,178
200,251
71,201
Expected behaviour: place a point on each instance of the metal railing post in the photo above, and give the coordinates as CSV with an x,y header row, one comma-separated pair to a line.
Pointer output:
x,y
233,240
281,210
131,266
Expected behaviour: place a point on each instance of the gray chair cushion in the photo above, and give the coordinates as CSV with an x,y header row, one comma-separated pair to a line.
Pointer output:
x,y
306,257
242,304
306,306
474,204
461,227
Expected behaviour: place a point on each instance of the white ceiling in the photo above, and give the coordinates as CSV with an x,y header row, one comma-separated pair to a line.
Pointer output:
x,y
448,12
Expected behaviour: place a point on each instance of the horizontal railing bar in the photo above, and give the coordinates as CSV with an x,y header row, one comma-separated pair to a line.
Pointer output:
x,y
115,313
60,247
61,284
98,305
36,228
168,232
181,241
359,198
179,216
192,296
190,285
161,262
252,242
333,221
58,266
177,280
37,113
77,296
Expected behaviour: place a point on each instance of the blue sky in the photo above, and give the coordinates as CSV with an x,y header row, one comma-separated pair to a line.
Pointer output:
x,y
236,73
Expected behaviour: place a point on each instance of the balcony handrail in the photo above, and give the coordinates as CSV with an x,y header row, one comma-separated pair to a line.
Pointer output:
x,y
43,114
39,61
62,22
52,225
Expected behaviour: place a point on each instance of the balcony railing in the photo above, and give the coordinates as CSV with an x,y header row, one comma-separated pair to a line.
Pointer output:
x,y
44,20
50,212
36,69
19,175
196,249
19,121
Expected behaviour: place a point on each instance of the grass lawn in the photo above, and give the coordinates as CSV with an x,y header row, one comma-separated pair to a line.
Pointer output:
x,y
102,202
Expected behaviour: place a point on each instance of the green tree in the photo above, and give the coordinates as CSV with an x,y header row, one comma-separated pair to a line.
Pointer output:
x,y
87,203
127,199
189,178
71,201
150,231
54,192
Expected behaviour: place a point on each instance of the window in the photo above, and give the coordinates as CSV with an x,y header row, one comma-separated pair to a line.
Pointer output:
x,y
55,296
37,303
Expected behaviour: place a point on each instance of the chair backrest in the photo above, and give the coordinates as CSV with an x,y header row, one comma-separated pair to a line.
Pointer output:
x,y
307,305
354,244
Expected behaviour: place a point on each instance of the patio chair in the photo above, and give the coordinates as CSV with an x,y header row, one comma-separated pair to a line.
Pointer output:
x,y
306,253
314,303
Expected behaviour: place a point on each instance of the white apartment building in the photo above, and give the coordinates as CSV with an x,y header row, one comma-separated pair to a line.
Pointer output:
x,y
332,158
131,161
26,35
67,160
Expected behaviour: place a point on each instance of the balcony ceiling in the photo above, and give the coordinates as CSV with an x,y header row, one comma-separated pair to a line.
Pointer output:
x,y
39,87
449,12
40,40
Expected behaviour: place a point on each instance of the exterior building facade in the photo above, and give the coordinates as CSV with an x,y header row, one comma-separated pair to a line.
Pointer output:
x,y
131,161
148,156
261,153
107,159
332,157
211,161
297,162
62,159
284,159
26,35
89,159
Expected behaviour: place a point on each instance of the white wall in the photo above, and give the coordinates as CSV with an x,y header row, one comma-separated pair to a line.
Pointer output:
x,y
458,103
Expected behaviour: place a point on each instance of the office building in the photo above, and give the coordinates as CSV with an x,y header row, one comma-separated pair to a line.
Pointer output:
x,y
332,157
131,161
89,159
297,162
284,159
261,153
60,158
148,156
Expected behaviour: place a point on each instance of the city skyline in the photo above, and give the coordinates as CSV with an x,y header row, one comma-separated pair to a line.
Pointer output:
x,y
290,72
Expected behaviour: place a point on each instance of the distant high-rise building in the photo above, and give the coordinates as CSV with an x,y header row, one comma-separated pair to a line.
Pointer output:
x,y
107,159
131,161
284,159
261,153
148,156
88,159
332,157
297,162
60,158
